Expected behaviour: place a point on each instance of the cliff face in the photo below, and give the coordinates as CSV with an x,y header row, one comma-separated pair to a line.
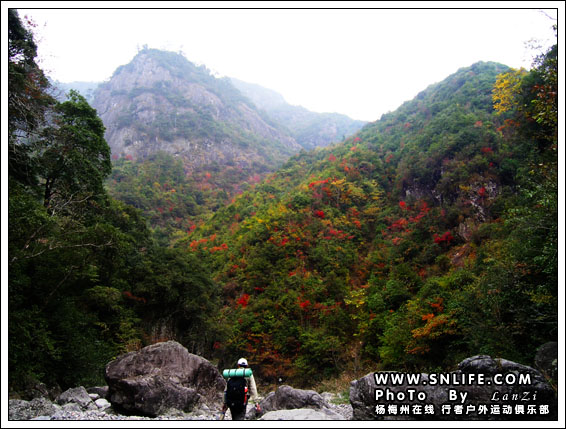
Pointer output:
x,y
162,102
310,129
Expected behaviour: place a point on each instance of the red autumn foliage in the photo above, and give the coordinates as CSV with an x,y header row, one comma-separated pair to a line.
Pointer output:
x,y
127,294
243,301
486,150
403,205
399,225
438,305
318,182
445,238
396,240
194,244
223,246
332,158
319,214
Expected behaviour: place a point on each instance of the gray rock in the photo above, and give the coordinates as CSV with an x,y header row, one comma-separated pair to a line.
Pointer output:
x,y
71,407
301,414
102,403
525,386
160,377
546,360
25,410
287,397
101,391
76,395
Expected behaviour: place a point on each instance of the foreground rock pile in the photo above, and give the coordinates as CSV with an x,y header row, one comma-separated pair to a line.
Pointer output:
x,y
79,404
166,382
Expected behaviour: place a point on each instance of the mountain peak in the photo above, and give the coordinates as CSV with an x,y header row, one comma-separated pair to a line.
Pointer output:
x,y
160,101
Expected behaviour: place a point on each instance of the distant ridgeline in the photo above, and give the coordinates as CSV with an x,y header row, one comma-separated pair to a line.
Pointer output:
x,y
309,129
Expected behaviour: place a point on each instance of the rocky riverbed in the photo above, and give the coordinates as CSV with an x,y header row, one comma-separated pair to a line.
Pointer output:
x,y
78,406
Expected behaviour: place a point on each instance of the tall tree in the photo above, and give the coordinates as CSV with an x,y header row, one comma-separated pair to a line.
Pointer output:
x,y
28,99
75,158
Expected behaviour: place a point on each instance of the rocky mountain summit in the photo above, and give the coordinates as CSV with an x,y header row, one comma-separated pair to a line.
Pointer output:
x,y
160,101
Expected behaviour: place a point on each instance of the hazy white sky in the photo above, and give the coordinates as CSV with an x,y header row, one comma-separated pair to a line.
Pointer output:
x,y
360,62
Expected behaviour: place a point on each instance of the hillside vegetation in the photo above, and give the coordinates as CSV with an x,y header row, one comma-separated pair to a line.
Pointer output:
x,y
428,236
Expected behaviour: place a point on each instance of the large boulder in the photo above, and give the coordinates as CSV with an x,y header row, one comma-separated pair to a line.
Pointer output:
x,y
160,377
289,398
482,388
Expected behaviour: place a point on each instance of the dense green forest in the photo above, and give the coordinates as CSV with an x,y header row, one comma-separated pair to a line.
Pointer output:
x,y
429,236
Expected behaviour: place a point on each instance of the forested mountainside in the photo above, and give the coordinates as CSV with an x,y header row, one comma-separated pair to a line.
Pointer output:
x,y
309,129
428,236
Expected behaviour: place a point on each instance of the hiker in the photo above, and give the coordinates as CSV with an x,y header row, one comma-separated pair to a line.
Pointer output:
x,y
238,391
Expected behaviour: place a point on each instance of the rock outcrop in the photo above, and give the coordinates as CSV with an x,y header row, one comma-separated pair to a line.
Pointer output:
x,y
482,388
160,377
160,101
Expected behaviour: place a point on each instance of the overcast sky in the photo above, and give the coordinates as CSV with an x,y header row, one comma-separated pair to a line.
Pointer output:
x,y
359,62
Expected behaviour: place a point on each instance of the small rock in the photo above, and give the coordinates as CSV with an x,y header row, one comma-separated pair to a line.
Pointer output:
x,y
42,418
71,407
102,404
76,395
101,391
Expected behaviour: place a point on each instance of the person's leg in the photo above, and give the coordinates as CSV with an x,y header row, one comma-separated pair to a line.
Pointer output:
x,y
238,413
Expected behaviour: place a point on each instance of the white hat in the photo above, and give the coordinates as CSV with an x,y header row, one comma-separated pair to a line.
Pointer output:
x,y
243,362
